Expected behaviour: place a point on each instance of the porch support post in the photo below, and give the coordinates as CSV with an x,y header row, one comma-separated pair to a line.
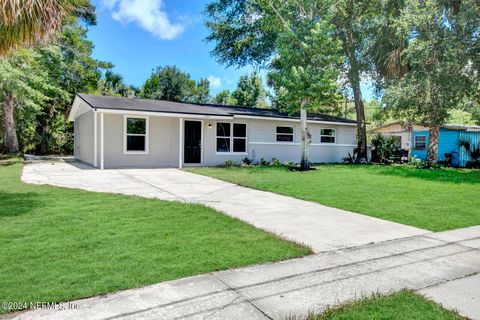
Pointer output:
x,y
102,140
95,140
180,143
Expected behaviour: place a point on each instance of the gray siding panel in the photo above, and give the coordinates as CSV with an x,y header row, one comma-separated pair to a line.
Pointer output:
x,y
83,142
164,145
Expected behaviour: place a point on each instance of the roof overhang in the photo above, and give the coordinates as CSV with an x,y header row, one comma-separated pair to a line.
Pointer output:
x,y
293,120
162,114
78,108
81,106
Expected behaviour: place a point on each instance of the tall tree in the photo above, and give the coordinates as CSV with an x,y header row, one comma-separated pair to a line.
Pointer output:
x,y
250,91
224,97
23,81
40,85
167,83
245,33
112,84
199,92
296,34
438,73
305,69
353,20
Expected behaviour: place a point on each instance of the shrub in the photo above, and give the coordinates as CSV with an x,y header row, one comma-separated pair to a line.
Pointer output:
x,y
246,161
230,163
263,162
276,162
350,158
384,149
419,164
473,151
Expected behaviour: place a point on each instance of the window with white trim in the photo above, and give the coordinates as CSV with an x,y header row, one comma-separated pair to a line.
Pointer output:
x,y
284,134
420,142
327,135
136,135
231,137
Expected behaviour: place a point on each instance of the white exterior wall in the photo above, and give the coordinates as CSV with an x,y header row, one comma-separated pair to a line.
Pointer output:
x,y
163,140
83,141
261,142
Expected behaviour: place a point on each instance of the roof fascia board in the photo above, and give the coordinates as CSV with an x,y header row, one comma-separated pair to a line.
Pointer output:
x,y
77,104
294,120
162,114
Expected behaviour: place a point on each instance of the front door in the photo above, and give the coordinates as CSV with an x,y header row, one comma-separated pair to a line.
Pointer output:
x,y
193,142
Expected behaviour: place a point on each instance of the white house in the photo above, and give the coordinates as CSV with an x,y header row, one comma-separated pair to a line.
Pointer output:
x,y
113,132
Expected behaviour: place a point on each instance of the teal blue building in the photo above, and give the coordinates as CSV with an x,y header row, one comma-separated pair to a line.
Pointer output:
x,y
447,144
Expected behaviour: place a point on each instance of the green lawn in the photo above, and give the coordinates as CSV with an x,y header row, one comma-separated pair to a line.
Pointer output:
x,y
432,199
403,305
60,244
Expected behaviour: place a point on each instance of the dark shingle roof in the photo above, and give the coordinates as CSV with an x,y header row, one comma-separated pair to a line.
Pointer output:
x,y
118,103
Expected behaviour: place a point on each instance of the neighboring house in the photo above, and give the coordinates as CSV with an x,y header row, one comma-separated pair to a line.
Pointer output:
x,y
115,132
401,130
450,134
415,139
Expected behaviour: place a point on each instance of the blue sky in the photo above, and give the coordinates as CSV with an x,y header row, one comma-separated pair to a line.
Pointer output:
x,y
138,35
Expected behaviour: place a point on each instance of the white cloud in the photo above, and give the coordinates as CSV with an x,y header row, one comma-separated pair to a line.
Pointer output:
x,y
148,14
215,82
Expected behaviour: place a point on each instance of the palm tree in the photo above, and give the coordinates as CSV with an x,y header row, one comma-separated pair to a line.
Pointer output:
x,y
473,151
30,22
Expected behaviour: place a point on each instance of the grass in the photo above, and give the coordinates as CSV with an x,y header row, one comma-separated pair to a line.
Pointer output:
x,y
402,305
61,244
436,200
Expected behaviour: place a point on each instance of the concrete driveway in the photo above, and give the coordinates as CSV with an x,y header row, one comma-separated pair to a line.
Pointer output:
x,y
319,227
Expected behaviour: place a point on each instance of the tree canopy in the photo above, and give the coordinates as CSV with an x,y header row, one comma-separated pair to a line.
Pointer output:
x,y
171,84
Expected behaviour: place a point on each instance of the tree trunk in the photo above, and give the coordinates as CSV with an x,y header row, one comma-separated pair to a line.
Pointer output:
x,y
362,154
305,164
354,79
11,140
433,137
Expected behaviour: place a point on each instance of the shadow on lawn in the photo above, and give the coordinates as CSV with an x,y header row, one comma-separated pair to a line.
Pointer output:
x,y
15,204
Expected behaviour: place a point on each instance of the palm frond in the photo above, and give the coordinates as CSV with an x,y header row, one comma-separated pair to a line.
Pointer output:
x,y
30,22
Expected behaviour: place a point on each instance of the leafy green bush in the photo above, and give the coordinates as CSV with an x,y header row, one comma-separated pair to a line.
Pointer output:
x,y
230,163
246,161
263,162
275,162
473,151
384,149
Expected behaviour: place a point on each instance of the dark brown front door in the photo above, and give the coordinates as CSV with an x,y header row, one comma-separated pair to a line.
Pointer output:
x,y
193,142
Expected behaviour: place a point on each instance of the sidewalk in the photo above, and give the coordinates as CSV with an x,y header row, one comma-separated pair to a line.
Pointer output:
x,y
432,264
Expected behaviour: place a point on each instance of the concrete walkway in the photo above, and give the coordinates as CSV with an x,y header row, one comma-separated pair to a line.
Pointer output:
x,y
319,227
439,265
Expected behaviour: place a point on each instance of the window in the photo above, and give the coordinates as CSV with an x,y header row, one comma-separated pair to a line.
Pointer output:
x,y
327,135
420,142
136,131
231,137
284,134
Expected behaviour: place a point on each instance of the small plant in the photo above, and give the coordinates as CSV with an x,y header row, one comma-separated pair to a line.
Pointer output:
x,y
263,162
384,149
290,163
247,162
230,163
350,158
419,164
275,162
473,151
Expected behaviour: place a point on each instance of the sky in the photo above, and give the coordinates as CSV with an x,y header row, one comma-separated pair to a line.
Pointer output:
x,y
138,35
